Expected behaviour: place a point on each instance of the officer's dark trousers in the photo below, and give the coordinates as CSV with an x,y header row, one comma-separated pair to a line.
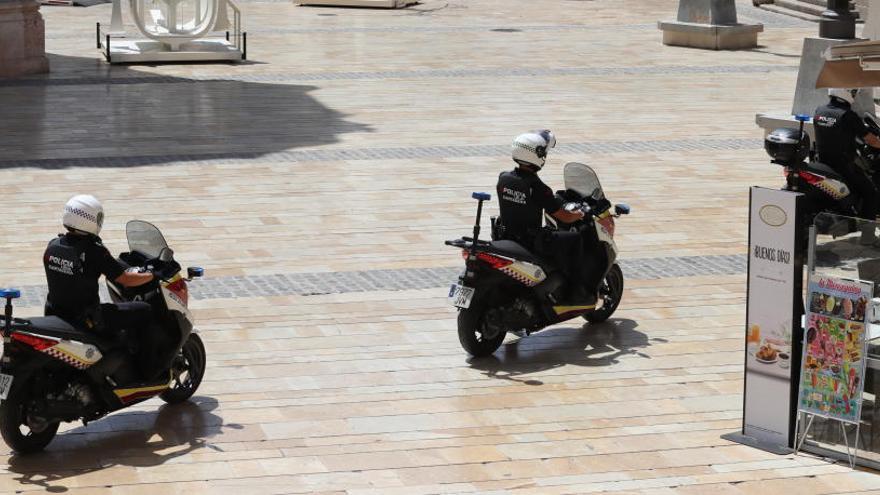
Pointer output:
x,y
566,251
137,319
596,261
861,184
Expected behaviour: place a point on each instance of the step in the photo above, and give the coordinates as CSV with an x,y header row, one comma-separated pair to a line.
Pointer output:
x,y
810,10
824,3
770,7
800,6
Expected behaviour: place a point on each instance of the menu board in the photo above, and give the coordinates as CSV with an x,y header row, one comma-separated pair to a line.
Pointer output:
x,y
833,365
773,310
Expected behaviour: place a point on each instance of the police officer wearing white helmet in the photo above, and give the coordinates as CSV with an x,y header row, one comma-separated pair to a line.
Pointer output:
x,y
75,260
523,198
837,126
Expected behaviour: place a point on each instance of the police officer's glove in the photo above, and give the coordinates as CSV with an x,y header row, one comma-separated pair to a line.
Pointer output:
x,y
602,205
159,273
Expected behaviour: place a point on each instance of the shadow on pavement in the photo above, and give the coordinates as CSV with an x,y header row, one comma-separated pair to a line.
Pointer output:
x,y
90,115
138,439
590,345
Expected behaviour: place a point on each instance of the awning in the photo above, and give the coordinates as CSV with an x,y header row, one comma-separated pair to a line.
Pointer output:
x,y
851,65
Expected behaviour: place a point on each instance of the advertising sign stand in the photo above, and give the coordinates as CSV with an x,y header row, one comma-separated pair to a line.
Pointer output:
x,y
850,456
773,315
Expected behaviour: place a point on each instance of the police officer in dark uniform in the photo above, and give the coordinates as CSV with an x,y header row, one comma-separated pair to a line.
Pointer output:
x,y
523,198
74,262
837,126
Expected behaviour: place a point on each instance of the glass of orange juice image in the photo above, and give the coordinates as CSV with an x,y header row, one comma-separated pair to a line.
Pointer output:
x,y
754,334
753,338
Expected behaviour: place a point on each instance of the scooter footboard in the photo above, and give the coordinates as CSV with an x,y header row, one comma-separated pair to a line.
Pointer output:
x,y
551,284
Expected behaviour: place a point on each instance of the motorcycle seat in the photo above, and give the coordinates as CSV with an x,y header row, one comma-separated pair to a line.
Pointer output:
x,y
53,326
515,250
821,168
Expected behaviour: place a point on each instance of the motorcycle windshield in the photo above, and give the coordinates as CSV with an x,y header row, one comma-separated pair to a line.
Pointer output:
x,y
144,238
583,180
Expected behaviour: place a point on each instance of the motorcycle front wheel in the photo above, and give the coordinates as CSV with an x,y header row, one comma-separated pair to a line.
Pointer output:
x,y
23,433
474,334
610,293
187,370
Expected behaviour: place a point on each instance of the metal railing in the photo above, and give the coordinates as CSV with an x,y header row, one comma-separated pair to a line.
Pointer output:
x,y
239,38
105,45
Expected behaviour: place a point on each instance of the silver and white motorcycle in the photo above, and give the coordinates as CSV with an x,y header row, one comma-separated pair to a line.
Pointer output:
x,y
505,287
52,371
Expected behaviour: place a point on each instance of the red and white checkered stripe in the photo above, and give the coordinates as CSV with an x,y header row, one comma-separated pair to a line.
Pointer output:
x,y
66,358
832,189
519,277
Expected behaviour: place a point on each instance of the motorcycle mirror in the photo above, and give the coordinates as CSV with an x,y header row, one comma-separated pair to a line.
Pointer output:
x,y
622,209
166,254
481,196
195,272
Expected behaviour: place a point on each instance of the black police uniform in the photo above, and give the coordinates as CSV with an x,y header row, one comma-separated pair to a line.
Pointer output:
x,y
73,264
523,198
837,127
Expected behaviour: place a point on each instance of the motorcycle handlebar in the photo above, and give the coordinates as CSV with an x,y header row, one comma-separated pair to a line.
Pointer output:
x,y
155,267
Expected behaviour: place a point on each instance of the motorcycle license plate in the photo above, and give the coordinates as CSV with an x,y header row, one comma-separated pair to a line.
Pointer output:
x,y
5,385
460,295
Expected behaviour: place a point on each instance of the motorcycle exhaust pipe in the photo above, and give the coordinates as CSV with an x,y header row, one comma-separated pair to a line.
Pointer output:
x,y
64,410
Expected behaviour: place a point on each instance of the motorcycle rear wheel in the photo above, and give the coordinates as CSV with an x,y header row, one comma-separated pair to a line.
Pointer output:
x,y
471,327
20,432
188,369
611,293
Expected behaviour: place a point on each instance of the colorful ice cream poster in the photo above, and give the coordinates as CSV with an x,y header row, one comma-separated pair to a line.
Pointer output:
x,y
833,365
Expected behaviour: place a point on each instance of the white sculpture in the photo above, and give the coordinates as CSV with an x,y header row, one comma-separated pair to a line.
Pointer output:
x,y
176,30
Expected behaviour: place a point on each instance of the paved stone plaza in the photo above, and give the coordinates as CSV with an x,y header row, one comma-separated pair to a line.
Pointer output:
x,y
316,184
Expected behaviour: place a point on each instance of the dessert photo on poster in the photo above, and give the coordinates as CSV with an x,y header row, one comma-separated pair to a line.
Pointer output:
x,y
769,345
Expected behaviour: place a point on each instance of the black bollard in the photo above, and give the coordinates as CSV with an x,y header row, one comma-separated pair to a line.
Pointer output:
x,y
837,21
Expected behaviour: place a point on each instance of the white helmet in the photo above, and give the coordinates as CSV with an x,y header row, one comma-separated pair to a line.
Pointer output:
x,y
83,213
848,95
531,148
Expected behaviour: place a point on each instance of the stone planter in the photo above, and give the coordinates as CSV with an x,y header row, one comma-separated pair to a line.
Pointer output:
x,y
22,38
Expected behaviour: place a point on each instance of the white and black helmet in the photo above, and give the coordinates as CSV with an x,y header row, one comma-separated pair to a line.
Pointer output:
x,y
531,148
848,95
83,213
